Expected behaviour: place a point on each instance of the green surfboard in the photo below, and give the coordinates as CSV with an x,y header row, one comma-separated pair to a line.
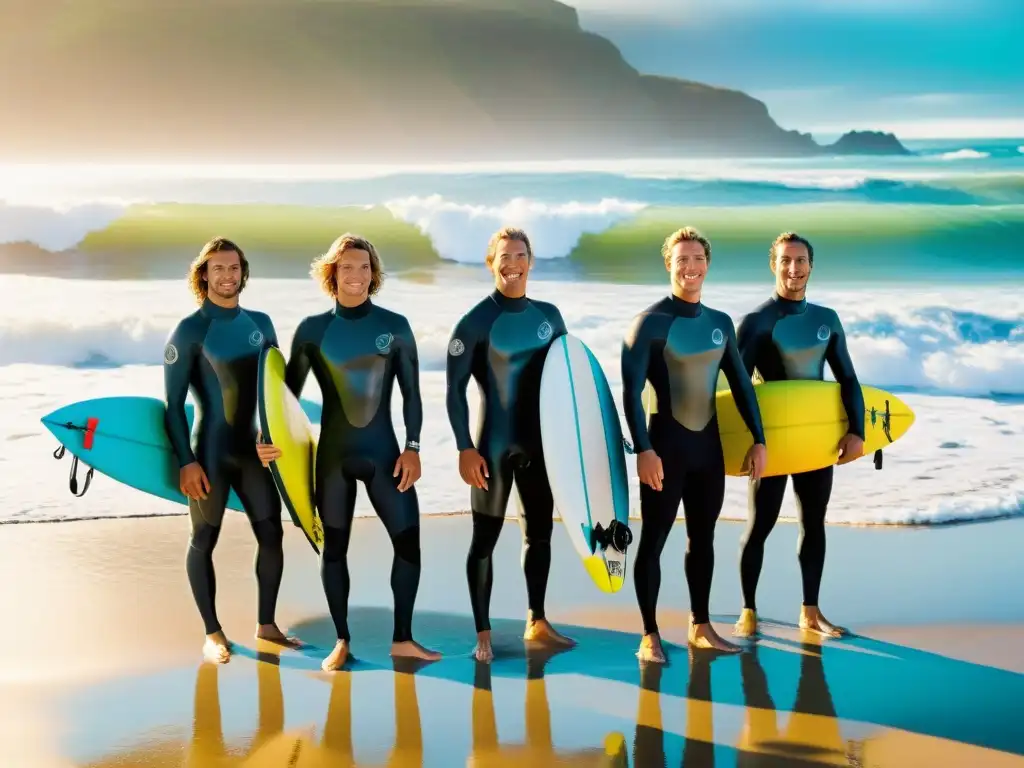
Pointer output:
x,y
285,424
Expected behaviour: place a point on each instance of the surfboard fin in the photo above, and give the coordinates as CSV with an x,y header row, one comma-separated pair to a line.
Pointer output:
x,y
878,459
617,535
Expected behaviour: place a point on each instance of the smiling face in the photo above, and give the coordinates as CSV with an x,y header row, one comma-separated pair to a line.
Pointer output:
x,y
224,277
353,274
511,266
688,266
792,267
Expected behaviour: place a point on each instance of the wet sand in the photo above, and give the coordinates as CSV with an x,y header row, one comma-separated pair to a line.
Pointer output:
x,y
101,662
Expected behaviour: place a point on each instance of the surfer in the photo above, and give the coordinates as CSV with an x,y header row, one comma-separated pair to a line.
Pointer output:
x,y
680,345
356,351
787,338
214,352
501,343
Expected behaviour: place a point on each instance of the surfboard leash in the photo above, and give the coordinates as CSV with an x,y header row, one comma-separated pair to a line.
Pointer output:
x,y
90,430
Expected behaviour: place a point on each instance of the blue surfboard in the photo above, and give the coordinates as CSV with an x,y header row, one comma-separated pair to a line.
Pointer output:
x,y
123,438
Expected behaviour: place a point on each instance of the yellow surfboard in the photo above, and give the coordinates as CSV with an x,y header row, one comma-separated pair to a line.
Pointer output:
x,y
803,423
284,423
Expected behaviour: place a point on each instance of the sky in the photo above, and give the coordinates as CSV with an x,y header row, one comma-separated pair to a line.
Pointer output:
x,y
920,68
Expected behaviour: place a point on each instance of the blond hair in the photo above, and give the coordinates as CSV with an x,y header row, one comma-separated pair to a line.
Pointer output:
x,y
685,234
507,233
325,268
196,278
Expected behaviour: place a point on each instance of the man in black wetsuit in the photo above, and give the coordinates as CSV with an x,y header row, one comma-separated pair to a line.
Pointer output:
x,y
502,343
214,352
783,339
680,345
357,350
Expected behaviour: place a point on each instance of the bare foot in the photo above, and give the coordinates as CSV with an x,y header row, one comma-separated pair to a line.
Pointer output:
x,y
541,631
272,634
811,620
483,651
412,649
217,648
747,624
651,650
703,636
338,657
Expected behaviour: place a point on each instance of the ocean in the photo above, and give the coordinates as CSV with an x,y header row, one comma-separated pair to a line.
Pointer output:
x,y
922,256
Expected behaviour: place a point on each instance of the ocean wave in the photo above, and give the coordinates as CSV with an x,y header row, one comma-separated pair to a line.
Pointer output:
x,y
964,154
929,348
55,228
457,230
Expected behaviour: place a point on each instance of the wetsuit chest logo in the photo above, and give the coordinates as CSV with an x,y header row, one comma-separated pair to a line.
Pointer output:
x,y
824,332
456,347
255,338
383,342
170,354
717,337
544,331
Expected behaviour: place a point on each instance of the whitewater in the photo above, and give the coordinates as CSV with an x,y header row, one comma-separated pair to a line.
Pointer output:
x,y
957,360
920,255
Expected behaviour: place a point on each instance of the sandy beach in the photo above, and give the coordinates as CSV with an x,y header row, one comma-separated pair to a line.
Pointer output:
x,y
102,662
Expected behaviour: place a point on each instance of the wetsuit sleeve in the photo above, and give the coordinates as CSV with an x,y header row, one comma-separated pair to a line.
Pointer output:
x,y
636,355
180,355
739,383
298,366
458,369
838,357
748,341
407,371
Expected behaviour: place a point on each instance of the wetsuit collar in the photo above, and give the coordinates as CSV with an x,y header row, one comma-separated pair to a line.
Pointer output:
x,y
686,308
789,306
509,304
352,313
217,312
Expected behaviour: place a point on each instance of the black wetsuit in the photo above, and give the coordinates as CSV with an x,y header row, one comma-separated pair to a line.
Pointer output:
x,y
215,353
356,354
680,347
502,344
785,340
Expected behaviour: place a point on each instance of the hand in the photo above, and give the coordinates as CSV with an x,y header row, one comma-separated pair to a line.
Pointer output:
x,y
755,461
850,447
193,482
408,465
649,469
267,452
473,468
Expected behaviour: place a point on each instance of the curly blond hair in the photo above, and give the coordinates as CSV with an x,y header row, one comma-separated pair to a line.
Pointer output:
x,y
325,268
685,234
508,233
196,278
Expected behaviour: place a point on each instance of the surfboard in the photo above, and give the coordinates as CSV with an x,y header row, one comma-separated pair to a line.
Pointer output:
x,y
123,438
803,423
284,423
585,458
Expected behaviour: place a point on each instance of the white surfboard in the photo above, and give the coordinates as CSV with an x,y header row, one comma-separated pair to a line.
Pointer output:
x,y
585,459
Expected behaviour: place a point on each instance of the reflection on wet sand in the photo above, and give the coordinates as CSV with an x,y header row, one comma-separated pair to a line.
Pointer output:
x,y
271,745
811,737
538,748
